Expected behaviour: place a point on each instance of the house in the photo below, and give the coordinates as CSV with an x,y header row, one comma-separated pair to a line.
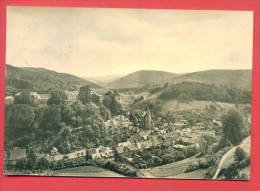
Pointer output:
x,y
188,141
157,140
58,157
145,134
9,99
160,131
179,124
93,153
177,146
193,136
119,120
207,133
106,151
72,95
44,98
54,151
76,154
130,159
35,95
124,144
100,152
120,149
17,153
17,94
200,125
144,144
135,138
132,147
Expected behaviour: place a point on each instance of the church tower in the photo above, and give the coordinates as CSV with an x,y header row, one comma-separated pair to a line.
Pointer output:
x,y
148,122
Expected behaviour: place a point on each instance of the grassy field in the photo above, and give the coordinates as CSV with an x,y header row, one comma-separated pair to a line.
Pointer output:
x,y
174,105
168,170
88,171
197,174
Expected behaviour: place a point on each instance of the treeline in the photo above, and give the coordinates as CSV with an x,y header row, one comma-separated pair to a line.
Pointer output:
x,y
188,91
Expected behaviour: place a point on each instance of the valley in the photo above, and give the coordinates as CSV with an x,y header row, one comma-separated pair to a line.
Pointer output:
x,y
149,124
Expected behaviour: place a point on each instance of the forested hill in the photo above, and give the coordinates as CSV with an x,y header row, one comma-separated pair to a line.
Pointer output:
x,y
188,91
241,79
141,78
40,80
232,78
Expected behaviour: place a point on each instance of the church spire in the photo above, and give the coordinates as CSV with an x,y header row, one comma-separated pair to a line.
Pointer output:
x,y
148,122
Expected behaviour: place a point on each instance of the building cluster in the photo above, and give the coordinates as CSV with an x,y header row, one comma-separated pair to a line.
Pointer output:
x,y
18,153
72,95
42,98
93,153
178,135
119,120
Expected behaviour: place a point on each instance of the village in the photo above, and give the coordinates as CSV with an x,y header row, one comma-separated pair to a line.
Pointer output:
x,y
175,137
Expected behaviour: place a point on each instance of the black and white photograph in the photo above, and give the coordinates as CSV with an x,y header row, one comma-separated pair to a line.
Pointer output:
x,y
128,93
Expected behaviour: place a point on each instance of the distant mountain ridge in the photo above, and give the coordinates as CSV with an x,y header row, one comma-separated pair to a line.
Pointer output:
x,y
40,80
234,78
103,79
141,78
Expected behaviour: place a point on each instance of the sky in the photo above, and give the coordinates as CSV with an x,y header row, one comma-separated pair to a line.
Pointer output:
x,y
94,42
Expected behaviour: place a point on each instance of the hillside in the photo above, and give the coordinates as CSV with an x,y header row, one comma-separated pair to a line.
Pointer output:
x,y
232,78
40,80
141,78
188,91
241,79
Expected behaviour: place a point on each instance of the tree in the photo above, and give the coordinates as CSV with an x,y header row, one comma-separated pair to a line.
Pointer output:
x,y
18,120
231,172
105,113
133,118
96,99
48,118
57,97
85,95
43,163
240,154
110,102
20,164
67,114
232,126
31,158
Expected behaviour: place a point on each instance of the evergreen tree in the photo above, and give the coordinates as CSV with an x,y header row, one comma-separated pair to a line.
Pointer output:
x,y
85,95
233,126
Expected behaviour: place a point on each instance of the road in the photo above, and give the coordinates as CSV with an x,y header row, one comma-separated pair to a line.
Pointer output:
x,y
226,160
229,158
